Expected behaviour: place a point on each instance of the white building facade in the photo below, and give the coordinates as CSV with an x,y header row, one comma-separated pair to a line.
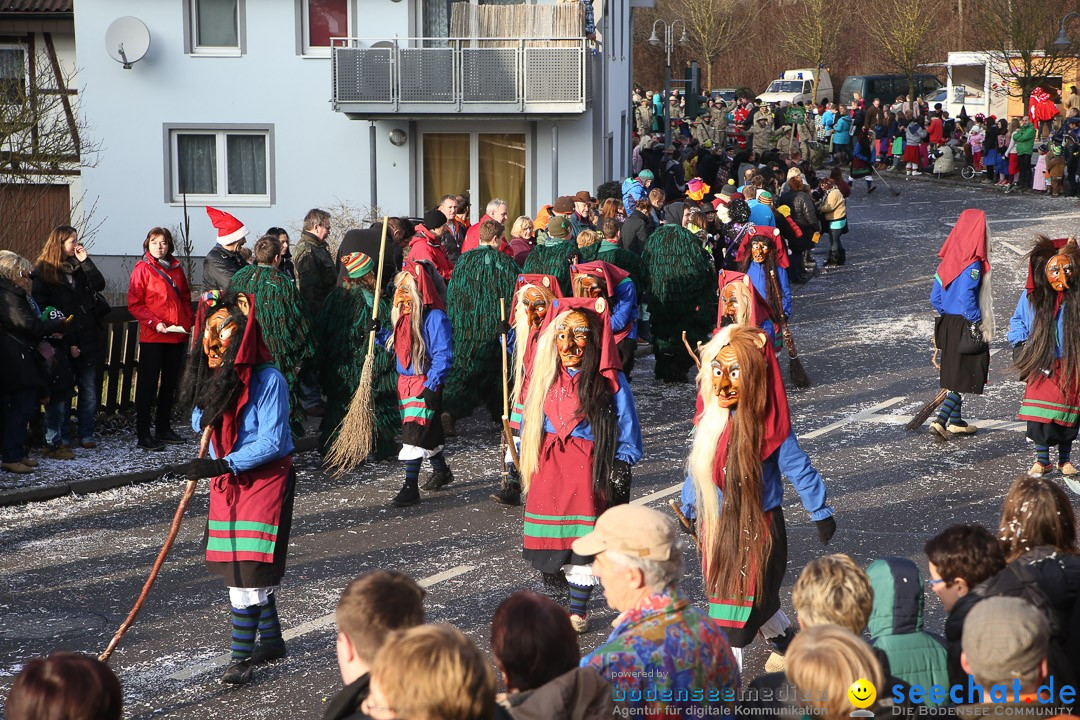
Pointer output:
x,y
266,109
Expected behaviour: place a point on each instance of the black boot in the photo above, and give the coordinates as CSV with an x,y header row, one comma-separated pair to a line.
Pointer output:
x,y
238,673
841,256
510,489
439,479
830,261
407,496
149,442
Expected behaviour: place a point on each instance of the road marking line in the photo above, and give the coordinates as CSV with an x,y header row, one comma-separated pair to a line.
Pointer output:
x,y
658,495
1034,218
856,417
311,626
987,425
1012,247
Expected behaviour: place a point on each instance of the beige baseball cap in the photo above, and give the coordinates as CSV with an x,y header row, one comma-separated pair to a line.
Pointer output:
x,y
632,530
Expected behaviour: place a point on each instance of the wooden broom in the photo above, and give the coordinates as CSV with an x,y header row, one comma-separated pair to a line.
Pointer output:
x,y
799,378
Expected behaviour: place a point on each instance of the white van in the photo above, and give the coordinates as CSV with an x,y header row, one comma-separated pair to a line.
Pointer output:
x,y
795,86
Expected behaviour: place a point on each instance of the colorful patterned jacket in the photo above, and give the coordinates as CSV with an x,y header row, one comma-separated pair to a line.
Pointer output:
x,y
668,656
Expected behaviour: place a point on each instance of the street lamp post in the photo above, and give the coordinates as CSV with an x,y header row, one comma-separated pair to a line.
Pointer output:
x,y
669,45
1062,42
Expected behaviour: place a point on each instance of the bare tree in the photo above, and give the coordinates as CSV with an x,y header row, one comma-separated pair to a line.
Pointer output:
x,y
812,31
713,26
901,29
1018,36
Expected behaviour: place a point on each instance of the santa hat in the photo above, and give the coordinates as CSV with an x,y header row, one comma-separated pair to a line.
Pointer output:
x,y
229,229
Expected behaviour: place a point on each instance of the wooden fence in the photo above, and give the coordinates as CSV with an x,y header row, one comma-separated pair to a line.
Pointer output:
x,y
121,361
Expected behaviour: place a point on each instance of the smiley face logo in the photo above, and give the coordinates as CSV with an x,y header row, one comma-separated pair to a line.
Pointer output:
x,y
862,693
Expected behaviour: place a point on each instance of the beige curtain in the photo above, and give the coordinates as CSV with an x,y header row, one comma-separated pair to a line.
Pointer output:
x,y
446,166
502,173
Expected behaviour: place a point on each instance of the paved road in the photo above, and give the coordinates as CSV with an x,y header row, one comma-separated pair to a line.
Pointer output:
x,y
72,567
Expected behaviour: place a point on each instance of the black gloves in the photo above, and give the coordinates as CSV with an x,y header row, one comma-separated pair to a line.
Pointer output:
x,y
620,482
202,468
1017,349
825,529
373,326
503,328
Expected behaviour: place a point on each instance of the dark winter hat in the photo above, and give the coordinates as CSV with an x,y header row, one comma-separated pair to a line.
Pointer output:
x,y
558,227
564,205
434,219
739,211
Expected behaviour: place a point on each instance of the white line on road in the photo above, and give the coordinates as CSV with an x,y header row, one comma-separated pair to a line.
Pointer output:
x,y
1012,247
885,419
1033,218
856,417
311,626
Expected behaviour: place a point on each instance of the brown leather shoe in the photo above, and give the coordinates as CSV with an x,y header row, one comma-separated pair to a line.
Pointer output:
x,y
88,444
16,467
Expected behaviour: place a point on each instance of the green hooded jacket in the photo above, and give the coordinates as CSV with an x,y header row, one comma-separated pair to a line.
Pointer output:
x,y
896,624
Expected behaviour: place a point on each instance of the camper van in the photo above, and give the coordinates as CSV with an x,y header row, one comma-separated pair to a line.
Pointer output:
x,y
886,87
795,86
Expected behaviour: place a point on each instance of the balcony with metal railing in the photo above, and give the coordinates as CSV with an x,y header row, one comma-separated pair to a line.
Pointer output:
x,y
431,77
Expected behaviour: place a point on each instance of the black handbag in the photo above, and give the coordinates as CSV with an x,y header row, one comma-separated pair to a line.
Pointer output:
x,y
971,342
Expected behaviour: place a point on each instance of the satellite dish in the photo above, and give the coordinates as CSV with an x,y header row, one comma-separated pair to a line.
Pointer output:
x,y
127,40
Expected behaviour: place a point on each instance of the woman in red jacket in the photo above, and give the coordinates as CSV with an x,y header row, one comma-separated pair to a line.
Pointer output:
x,y
159,298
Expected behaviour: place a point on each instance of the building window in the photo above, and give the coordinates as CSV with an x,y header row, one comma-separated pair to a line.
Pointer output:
x,y
215,27
225,165
12,74
322,20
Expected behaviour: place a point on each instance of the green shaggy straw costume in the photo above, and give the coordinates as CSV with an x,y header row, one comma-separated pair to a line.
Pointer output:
x,y
342,329
480,278
682,288
285,328
554,257
618,256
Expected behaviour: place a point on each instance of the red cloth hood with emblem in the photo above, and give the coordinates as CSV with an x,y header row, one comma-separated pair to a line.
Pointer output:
x,y
777,418
610,365
549,282
611,274
426,286
966,244
771,233
251,353
759,312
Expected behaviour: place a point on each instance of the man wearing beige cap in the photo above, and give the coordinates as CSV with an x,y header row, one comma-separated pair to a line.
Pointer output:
x,y
639,560
1005,644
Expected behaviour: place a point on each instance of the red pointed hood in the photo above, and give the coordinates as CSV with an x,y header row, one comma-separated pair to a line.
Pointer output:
x,y
610,365
769,232
759,312
966,244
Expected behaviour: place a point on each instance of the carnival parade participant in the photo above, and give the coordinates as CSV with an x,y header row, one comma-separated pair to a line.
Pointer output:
x,y
533,298
601,279
237,393
1045,335
742,445
579,438
556,255
283,319
965,323
482,277
742,304
421,342
764,259
682,292
342,329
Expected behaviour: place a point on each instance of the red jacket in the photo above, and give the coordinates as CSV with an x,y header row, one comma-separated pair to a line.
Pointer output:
x,y
152,300
472,240
425,246
934,130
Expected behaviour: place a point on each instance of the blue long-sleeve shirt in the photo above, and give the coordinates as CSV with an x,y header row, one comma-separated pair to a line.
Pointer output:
x,y
756,271
440,350
624,307
628,443
632,191
961,297
1022,320
264,433
761,214
789,460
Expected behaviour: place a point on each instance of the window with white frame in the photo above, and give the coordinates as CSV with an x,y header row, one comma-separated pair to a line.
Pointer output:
x,y
215,27
224,165
321,20
13,74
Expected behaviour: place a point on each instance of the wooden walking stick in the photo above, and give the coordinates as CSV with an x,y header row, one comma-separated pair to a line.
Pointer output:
x,y
795,367
685,522
507,435
356,433
178,516
693,354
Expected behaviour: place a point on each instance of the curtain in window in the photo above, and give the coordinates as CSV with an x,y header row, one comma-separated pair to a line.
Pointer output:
x,y
446,166
437,18
196,157
246,164
327,19
216,23
502,173
12,75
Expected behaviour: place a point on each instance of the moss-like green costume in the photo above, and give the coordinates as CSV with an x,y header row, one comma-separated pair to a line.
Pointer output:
x,y
342,329
285,327
554,257
619,257
480,278
682,288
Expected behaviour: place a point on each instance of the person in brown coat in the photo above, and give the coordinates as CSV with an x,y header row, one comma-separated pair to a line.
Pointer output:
x,y
1055,170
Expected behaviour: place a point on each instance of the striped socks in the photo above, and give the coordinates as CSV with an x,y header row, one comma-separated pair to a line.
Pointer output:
x,y
438,463
412,472
269,625
950,408
579,599
245,621
1042,455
